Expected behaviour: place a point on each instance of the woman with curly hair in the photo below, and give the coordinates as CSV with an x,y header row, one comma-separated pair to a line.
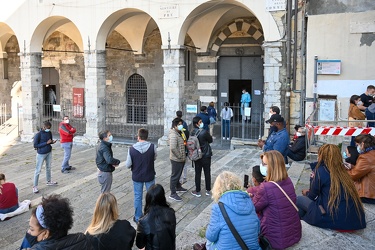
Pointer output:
x,y
227,190
49,225
363,172
332,200
274,201
157,228
106,231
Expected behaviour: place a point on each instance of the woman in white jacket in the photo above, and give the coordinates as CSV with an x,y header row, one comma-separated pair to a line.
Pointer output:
x,y
226,115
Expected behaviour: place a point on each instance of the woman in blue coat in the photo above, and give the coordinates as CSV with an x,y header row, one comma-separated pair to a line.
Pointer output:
x,y
332,201
240,209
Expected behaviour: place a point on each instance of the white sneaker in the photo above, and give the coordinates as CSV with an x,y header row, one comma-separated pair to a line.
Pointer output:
x,y
51,183
35,190
223,138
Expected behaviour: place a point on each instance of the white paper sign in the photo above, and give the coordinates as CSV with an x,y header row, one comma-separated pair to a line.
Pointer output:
x,y
247,111
56,108
191,109
224,94
257,92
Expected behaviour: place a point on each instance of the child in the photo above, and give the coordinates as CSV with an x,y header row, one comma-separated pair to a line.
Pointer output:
x,y
257,178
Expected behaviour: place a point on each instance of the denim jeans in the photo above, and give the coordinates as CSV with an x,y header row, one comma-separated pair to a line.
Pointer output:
x,y
67,146
138,196
40,158
225,128
9,210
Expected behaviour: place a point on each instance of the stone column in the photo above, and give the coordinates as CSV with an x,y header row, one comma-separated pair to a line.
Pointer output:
x,y
174,79
272,84
95,92
31,77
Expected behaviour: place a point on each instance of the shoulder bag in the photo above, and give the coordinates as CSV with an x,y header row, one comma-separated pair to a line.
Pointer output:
x,y
231,227
287,196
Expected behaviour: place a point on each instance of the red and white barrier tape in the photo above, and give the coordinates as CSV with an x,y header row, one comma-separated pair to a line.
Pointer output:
x,y
341,131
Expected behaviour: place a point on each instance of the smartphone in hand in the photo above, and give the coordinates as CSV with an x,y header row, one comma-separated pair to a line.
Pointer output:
x,y
246,181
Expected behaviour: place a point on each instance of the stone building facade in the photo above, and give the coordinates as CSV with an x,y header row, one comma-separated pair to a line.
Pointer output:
x,y
145,52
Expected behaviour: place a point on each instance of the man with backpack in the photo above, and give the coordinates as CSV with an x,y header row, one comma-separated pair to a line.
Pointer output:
x,y
202,161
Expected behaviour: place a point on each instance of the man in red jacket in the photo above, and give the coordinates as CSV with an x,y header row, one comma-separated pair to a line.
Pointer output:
x,y
66,139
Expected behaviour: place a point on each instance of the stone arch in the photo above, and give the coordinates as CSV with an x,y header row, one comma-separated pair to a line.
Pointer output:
x,y
249,27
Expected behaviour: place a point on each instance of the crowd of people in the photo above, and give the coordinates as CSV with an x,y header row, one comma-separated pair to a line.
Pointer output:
x,y
240,216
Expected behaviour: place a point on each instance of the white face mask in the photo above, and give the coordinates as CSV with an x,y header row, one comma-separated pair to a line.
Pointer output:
x,y
263,169
66,121
201,125
298,134
359,103
180,127
270,114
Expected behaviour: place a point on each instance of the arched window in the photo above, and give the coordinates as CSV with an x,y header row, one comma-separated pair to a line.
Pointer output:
x,y
136,94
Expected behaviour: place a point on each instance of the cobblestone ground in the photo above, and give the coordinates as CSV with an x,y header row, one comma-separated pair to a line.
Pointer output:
x,y
81,187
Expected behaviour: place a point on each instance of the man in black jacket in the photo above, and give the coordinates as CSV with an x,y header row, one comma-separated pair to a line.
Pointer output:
x,y
204,163
297,150
105,162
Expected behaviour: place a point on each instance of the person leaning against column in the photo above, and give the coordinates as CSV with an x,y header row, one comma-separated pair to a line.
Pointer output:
x,y
42,144
141,159
177,156
67,132
105,162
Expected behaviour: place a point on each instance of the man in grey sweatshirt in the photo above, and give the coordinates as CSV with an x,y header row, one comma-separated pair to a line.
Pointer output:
x,y
141,158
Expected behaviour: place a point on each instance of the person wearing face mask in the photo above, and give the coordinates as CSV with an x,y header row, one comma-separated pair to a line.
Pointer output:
x,y
363,172
355,113
42,144
204,163
177,156
366,98
370,113
297,150
141,159
67,132
105,162
49,224
245,102
258,175
274,110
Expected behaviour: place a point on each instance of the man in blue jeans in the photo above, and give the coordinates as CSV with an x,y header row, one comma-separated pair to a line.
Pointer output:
x,y
141,158
42,144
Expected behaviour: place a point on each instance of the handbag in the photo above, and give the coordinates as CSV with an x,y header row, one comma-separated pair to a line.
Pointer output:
x,y
231,227
287,196
212,120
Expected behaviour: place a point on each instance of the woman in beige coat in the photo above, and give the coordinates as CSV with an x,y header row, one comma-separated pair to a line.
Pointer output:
x,y
177,155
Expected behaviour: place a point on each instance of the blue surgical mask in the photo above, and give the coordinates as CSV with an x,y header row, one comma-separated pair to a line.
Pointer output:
x,y
263,169
110,138
344,155
359,149
47,130
201,125
180,127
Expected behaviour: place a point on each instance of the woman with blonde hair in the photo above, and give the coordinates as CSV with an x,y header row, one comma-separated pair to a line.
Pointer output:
x,y
237,203
332,201
275,202
106,231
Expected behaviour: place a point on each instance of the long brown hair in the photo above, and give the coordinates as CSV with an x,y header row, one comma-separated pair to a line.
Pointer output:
x,y
105,214
276,170
331,156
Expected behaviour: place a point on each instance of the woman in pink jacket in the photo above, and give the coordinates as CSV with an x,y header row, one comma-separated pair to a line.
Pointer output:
x,y
279,219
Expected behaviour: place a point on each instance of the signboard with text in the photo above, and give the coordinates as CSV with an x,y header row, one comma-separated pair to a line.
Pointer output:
x,y
329,67
78,102
168,11
275,5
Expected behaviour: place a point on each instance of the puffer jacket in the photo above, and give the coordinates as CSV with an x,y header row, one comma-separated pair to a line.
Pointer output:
x,y
157,229
242,214
363,174
177,150
76,241
40,142
280,222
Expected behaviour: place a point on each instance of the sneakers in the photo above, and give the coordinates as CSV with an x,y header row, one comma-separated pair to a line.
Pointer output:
x,y
175,197
223,138
51,183
196,194
181,190
35,190
208,193
64,171
70,168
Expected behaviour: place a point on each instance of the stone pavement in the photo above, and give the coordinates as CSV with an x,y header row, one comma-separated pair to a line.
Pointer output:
x,y
17,161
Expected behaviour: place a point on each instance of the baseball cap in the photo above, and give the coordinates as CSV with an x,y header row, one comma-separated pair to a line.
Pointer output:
x,y
275,118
